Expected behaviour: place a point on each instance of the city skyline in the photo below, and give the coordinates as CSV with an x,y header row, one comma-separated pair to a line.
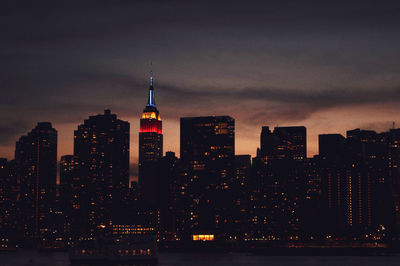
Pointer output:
x,y
327,67
134,158
194,132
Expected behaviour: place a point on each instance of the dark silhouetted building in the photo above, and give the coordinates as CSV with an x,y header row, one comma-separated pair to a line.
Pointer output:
x,y
207,148
167,172
368,183
331,145
357,187
242,194
331,166
71,183
284,142
73,195
313,206
36,164
278,189
9,194
392,142
101,145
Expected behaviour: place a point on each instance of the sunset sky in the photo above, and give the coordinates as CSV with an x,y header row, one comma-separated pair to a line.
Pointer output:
x,y
331,66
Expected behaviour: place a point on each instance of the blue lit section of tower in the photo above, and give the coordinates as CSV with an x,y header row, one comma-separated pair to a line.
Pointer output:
x,y
151,101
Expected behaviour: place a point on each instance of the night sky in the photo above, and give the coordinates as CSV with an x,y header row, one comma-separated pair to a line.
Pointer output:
x,y
331,66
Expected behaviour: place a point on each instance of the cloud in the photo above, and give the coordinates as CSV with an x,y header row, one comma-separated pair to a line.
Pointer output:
x,y
11,129
69,95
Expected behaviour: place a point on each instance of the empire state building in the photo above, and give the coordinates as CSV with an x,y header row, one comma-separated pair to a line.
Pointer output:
x,y
150,138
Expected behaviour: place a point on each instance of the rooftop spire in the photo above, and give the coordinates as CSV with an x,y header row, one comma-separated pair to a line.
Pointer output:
x,y
151,101
151,74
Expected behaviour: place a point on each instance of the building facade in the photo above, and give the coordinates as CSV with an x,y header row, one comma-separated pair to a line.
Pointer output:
x,y
278,189
36,164
150,147
101,145
207,148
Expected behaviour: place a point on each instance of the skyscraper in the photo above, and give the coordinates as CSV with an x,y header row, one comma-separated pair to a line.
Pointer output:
x,y
367,180
73,193
284,142
242,193
36,162
71,184
150,145
356,181
207,157
392,141
331,165
101,144
279,174
8,200
167,172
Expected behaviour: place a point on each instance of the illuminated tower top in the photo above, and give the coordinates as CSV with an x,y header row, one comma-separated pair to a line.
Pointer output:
x,y
151,101
151,119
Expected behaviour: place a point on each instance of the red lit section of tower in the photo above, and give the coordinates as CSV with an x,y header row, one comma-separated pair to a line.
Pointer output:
x,y
151,121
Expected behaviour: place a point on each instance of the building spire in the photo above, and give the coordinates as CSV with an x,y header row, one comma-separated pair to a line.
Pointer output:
x,y
151,101
151,74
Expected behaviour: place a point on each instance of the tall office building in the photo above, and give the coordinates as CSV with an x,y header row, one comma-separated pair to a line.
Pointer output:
x,y
367,181
207,148
8,200
356,182
392,141
73,194
101,144
284,142
167,171
313,204
331,165
71,184
279,187
150,146
242,194
243,170
36,164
